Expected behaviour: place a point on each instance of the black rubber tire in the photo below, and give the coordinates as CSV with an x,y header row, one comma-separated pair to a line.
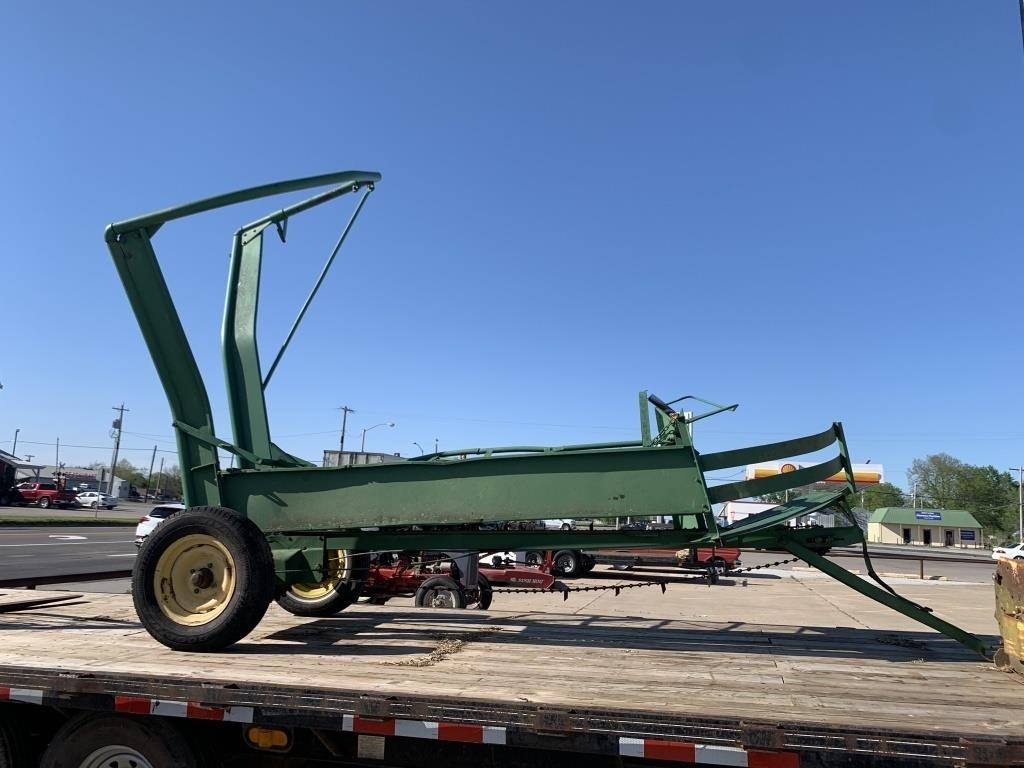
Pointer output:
x,y
344,594
566,563
94,505
587,563
440,592
111,506
156,739
44,502
485,594
12,751
566,527
253,579
534,557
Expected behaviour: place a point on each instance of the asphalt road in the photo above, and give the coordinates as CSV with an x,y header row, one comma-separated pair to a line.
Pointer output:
x,y
45,551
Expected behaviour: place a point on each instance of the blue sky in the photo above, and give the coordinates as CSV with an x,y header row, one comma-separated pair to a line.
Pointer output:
x,y
807,208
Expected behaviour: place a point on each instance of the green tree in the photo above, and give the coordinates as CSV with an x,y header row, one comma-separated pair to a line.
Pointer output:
x,y
871,497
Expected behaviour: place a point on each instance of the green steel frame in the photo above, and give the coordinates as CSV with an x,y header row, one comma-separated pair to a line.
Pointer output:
x,y
438,501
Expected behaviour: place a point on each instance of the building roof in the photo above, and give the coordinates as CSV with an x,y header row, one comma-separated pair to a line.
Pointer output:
x,y
953,518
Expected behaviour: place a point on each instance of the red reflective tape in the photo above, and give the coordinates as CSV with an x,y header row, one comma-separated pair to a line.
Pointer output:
x,y
135,705
5,694
377,727
470,734
677,751
756,759
200,712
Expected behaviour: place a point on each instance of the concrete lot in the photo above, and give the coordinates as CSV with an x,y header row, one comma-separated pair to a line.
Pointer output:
x,y
790,598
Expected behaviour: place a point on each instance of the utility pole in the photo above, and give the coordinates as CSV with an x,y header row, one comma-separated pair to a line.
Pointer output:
x,y
14,448
117,444
160,476
1020,495
149,480
913,499
345,411
56,462
435,445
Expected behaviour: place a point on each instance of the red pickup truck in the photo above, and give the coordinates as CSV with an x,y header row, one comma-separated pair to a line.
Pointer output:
x,y
43,495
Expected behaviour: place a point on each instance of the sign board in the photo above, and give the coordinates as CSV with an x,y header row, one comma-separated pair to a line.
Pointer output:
x,y
966,535
863,474
928,515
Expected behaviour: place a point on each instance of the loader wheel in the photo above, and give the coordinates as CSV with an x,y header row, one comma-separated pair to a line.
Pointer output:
x,y
440,592
203,579
44,502
566,563
109,741
340,587
484,593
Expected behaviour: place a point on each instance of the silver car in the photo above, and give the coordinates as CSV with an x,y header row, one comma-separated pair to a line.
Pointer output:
x,y
95,500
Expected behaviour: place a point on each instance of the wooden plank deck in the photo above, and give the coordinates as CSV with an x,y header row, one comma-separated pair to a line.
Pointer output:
x,y
812,676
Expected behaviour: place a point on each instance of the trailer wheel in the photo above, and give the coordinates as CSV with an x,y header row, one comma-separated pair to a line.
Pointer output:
x,y
440,592
346,572
566,563
534,558
44,502
203,579
587,563
12,754
485,594
108,741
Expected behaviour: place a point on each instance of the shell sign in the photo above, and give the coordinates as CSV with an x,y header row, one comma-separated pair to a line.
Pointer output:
x,y
863,474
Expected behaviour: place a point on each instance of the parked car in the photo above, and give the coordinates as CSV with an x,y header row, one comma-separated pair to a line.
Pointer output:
x,y
43,495
559,524
1016,552
152,519
95,500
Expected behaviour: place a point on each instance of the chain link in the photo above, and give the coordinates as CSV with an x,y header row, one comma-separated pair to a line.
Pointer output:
x,y
564,590
759,567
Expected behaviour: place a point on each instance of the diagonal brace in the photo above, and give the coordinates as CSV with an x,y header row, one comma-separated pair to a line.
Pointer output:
x,y
906,607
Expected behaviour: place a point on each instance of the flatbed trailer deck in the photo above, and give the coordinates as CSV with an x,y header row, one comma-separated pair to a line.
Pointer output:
x,y
382,685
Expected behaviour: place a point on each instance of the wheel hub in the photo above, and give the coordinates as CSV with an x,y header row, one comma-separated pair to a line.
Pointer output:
x,y
194,579
116,756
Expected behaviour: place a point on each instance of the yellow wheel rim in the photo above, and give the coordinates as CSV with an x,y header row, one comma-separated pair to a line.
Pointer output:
x,y
194,580
338,572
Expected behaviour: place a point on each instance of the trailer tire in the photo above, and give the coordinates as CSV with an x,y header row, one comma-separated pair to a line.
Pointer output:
x,y
440,592
587,563
12,754
44,502
109,741
566,563
485,593
338,590
203,579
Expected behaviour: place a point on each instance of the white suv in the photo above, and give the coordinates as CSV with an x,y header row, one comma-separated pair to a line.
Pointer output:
x,y
153,518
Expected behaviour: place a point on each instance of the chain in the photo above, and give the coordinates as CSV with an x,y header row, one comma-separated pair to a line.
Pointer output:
x,y
759,567
564,591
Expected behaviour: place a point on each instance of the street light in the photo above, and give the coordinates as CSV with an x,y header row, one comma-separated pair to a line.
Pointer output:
x,y
362,445
418,446
14,448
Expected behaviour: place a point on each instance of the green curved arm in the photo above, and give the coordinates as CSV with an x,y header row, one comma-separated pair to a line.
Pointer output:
x,y
155,219
130,245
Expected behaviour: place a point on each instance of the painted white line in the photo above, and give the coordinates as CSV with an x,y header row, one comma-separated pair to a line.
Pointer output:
x,y
129,554
66,537
68,543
